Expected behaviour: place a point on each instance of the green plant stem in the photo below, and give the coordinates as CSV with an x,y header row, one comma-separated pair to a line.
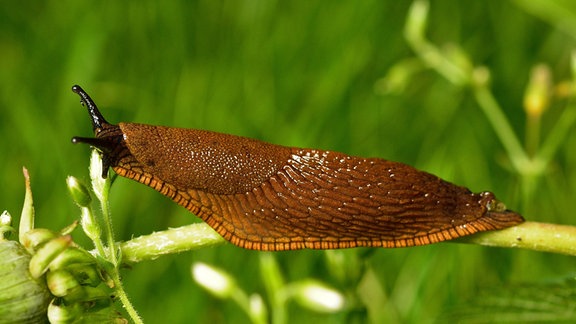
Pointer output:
x,y
109,231
121,294
543,237
558,134
101,189
437,60
532,140
114,258
414,32
275,288
174,240
493,112
93,231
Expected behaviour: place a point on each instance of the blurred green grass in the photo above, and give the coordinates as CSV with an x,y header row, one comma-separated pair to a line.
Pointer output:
x,y
300,73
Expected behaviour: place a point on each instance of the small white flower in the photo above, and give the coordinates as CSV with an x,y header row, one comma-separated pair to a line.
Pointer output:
x,y
257,307
319,297
214,280
5,218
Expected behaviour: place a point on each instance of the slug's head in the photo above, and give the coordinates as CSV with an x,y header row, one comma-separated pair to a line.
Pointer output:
x,y
108,138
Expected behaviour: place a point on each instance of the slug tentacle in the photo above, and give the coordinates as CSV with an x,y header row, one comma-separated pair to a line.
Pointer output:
x,y
98,120
269,197
109,138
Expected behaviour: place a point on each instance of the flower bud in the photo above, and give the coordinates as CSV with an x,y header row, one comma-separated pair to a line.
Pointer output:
x,y
214,280
537,96
34,239
61,312
417,21
98,311
5,225
5,219
71,256
79,192
90,225
258,308
22,298
318,297
63,284
47,253
98,183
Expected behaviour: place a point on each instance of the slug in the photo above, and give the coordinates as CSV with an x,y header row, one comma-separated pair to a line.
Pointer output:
x,y
269,197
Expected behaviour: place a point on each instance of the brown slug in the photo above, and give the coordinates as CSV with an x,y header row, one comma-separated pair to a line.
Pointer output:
x,y
269,197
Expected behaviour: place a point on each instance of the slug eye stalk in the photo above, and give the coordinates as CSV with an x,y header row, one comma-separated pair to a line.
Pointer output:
x,y
108,137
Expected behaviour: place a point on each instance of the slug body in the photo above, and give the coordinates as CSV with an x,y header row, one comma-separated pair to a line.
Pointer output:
x,y
269,197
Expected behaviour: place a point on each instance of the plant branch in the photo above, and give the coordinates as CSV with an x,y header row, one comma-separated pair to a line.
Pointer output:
x,y
502,127
542,237
101,189
174,240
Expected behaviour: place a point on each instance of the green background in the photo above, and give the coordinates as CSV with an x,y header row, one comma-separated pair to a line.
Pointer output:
x,y
297,73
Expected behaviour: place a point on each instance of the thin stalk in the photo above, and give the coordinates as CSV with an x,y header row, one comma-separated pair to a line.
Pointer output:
x,y
171,241
503,130
121,294
109,231
275,288
542,237
101,189
532,134
558,134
